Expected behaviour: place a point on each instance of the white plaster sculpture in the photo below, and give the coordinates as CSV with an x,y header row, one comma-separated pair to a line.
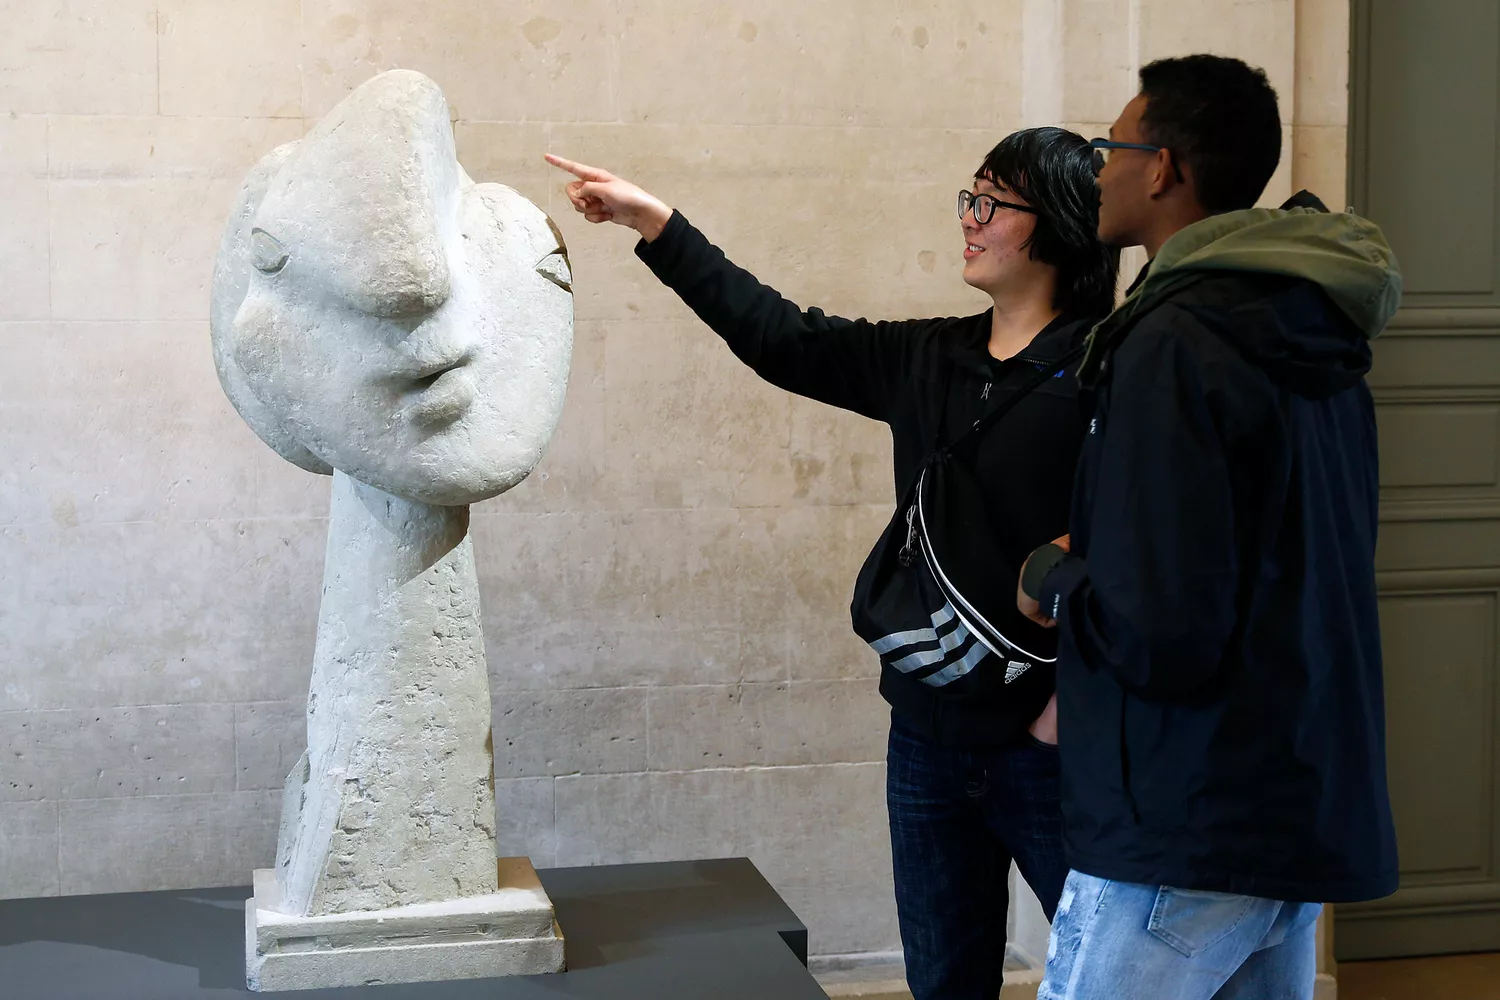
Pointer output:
x,y
379,316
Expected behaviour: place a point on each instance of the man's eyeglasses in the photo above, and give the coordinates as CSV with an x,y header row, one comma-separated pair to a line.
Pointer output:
x,y
985,206
1102,145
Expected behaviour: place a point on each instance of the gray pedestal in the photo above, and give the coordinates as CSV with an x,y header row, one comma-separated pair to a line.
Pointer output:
x,y
675,931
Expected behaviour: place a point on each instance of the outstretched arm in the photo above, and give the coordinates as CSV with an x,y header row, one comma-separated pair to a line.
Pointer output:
x,y
854,364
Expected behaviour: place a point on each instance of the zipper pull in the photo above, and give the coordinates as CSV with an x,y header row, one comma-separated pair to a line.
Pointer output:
x,y
908,551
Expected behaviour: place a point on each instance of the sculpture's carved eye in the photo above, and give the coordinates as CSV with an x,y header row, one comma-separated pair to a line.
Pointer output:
x,y
554,267
266,254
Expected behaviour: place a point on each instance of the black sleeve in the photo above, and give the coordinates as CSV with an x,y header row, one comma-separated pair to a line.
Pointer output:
x,y
854,364
1154,599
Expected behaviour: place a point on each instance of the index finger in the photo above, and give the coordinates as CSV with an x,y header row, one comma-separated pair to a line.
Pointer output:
x,y
580,170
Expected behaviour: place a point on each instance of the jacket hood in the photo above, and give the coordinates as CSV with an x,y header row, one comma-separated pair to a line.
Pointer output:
x,y
1345,255
1285,327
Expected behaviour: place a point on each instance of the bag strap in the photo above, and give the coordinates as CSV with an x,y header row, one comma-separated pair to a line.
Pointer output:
x,y
991,418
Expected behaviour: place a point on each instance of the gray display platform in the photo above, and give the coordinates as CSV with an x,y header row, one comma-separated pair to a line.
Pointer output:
x,y
689,929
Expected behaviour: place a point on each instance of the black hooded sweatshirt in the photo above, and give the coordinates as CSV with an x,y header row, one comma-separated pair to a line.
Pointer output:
x,y
929,380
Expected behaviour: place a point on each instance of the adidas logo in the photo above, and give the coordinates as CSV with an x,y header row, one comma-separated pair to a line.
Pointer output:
x,y
1015,669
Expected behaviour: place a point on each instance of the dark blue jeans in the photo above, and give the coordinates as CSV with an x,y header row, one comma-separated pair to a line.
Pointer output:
x,y
958,819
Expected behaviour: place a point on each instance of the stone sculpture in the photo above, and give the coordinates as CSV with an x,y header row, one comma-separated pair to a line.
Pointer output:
x,y
380,317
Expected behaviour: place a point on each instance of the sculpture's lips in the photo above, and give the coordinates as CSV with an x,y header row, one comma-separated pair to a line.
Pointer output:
x,y
426,371
441,397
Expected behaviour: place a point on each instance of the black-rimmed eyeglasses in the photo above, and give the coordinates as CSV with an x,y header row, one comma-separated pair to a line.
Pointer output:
x,y
1102,145
985,206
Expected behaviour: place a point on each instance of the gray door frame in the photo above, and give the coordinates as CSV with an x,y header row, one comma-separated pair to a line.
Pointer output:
x,y
1424,145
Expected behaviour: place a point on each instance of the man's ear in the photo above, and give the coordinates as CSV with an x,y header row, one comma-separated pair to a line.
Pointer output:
x,y
1162,180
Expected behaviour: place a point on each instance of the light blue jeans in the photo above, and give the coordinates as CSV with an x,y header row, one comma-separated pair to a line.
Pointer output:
x,y
1122,941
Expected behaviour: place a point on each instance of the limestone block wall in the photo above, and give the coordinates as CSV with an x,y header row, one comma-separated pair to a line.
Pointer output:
x,y
665,599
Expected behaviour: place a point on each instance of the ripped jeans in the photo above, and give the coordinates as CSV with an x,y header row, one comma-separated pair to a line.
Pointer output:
x,y
1122,941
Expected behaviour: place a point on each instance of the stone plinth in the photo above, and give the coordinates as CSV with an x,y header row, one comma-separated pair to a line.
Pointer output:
x,y
511,932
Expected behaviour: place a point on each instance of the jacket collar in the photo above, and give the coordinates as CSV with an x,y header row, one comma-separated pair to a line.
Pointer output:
x,y
969,343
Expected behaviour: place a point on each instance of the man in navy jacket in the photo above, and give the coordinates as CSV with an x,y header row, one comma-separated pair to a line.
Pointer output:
x,y
1221,717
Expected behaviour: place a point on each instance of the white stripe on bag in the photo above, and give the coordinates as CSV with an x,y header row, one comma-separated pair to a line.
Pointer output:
x,y
927,657
896,640
954,671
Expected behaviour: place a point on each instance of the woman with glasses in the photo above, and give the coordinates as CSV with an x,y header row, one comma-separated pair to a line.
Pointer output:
x,y
972,763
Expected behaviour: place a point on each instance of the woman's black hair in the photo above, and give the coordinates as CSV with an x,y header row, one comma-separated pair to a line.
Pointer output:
x,y
1052,169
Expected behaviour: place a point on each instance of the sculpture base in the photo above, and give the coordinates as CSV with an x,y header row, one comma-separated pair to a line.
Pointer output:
x,y
511,932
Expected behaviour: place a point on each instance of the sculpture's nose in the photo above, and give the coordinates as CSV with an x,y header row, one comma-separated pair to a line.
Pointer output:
x,y
370,199
408,281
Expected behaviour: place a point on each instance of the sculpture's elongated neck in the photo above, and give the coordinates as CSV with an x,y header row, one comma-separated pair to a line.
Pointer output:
x,y
379,544
395,804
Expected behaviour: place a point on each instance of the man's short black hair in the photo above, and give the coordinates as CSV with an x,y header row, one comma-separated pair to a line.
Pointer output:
x,y
1053,170
1219,117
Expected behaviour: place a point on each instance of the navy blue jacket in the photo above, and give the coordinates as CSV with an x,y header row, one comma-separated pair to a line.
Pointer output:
x,y
1219,675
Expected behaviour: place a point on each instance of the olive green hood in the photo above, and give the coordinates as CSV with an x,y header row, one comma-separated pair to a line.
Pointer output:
x,y
1346,255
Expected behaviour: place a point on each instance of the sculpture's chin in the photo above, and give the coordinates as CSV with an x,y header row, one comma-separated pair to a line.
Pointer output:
x,y
450,469
447,492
